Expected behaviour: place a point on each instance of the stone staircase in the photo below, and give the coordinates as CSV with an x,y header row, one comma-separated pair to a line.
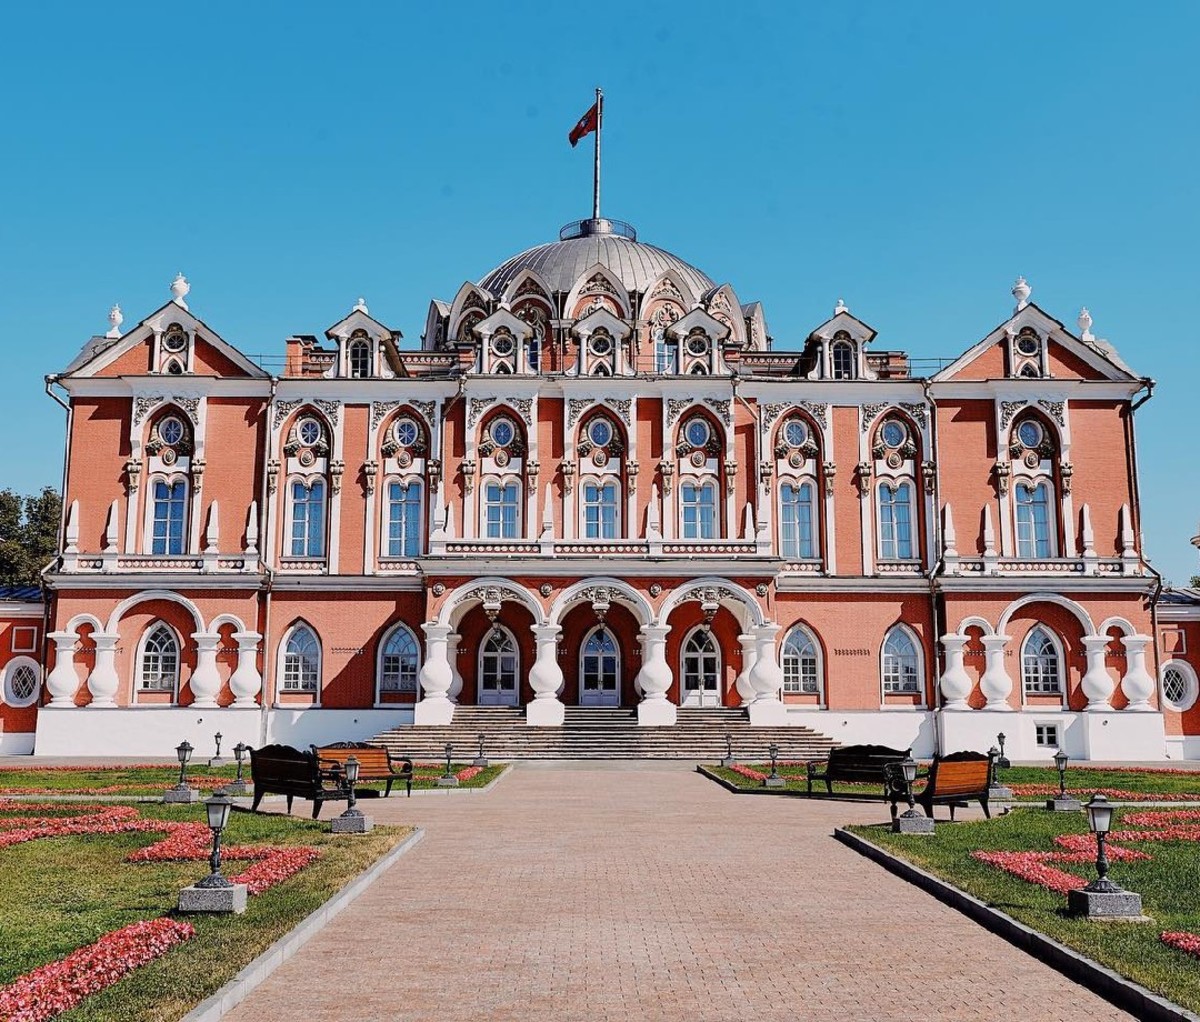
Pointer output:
x,y
602,733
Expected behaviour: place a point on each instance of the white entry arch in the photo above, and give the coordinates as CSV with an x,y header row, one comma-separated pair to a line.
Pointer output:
x,y
1081,615
612,589
489,591
739,601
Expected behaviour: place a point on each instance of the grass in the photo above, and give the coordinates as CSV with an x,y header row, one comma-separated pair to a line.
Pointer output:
x,y
57,894
1166,883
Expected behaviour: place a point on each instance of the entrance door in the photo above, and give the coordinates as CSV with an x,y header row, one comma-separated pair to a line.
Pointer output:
x,y
498,665
701,684
600,670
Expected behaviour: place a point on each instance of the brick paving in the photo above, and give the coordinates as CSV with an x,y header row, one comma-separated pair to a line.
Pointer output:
x,y
633,891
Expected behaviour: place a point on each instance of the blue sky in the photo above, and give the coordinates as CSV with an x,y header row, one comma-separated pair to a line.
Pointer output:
x,y
911,159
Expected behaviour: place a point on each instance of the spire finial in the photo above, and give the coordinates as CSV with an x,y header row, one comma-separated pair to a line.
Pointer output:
x,y
361,305
115,319
179,289
1085,324
840,308
1021,292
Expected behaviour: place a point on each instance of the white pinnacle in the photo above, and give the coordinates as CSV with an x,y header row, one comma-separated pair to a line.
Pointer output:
x,y
115,319
840,308
1085,324
179,289
361,305
1021,292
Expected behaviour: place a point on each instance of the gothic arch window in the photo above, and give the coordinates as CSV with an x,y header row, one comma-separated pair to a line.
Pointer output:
x,y
801,662
900,662
797,518
1041,662
841,357
174,367
896,517
358,358
499,666
701,667
599,668
158,661
300,664
399,661
403,518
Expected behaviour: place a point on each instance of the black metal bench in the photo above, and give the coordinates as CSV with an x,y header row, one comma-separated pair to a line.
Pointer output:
x,y
856,764
282,770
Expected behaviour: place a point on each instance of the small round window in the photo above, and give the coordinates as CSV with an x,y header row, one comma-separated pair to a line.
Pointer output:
x,y
697,344
502,344
795,433
502,432
894,434
696,433
405,432
1029,433
601,344
170,431
175,340
1027,345
1178,686
600,432
22,680
309,432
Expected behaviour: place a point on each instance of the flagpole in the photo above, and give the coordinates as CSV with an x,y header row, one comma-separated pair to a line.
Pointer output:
x,y
596,167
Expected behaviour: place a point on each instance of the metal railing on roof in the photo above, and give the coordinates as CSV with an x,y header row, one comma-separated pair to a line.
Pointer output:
x,y
585,228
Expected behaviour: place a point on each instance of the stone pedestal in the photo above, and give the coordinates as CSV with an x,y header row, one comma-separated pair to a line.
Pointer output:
x,y
915,824
656,713
447,782
768,713
217,761
352,821
236,788
184,795
1064,805
727,761
1116,904
213,899
548,712
480,761
775,782
999,793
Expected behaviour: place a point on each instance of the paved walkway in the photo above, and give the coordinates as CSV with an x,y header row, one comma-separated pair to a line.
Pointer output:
x,y
643,891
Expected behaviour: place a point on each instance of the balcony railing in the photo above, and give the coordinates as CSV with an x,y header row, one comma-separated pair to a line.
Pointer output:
x,y
1058,566
142,563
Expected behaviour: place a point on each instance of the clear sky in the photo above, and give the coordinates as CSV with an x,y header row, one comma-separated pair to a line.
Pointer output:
x,y
909,158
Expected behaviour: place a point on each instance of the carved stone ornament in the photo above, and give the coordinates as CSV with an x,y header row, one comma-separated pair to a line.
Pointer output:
x,y
468,474
1056,410
917,411
676,407
819,410
667,289
576,406
568,471
434,468
598,284
655,590
1065,471
623,407
863,477
871,412
766,469
722,408
1002,470
133,472
332,409
142,407
198,467
731,471
425,409
272,475
523,406
282,410
191,405
370,471
491,597
631,471
336,469
531,477
929,474
438,589
380,410
545,589
772,412
762,589
1008,409
477,407
830,470
667,470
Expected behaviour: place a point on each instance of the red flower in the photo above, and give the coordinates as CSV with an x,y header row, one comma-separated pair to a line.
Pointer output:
x,y
1182,941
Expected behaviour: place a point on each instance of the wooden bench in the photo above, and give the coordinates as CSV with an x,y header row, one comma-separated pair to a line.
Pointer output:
x,y
375,763
856,764
282,770
953,781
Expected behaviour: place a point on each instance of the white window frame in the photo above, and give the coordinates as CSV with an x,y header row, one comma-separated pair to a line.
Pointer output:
x,y
683,666
1061,664
914,538
290,518
139,663
479,667
169,479
600,482
798,483
583,654
841,344
796,678
385,532
700,482
1032,484
484,504
1189,677
10,674
919,650
398,628
354,345
281,664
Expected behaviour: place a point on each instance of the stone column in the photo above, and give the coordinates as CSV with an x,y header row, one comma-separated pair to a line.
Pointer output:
x,y
655,678
546,678
1137,684
62,683
103,681
205,682
436,677
245,683
456,685
954,683
749,655
996,684
1096,683
766,678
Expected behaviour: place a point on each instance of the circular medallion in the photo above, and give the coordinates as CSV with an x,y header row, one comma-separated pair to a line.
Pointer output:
x,y
545,589
796,459
893,433
894,460
762,589
438,589
168,456
403,459
696,432
655,589
306,458
1032,460
600,459
697,459
795,433
501,457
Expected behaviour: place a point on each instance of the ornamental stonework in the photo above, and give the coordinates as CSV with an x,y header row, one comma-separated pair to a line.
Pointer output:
x,y
1008,409
476,408
142,407
282,410
871,412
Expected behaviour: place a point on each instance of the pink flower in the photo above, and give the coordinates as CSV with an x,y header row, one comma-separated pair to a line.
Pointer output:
x,y
749,772
1182,941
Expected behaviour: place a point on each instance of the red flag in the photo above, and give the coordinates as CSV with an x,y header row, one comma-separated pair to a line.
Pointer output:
x,y
588,123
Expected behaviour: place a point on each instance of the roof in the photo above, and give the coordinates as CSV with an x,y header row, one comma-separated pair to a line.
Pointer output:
x,y
1182,597
21,594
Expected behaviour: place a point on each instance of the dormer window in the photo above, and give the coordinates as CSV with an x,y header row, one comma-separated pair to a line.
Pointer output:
x,y
842,356
359,358
1028,355
502,345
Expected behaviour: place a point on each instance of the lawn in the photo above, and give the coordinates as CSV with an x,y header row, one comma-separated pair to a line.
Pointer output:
x,y
1166,882
60,893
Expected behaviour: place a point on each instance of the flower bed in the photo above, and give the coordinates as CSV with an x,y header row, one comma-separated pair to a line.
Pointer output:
x,y
1117,794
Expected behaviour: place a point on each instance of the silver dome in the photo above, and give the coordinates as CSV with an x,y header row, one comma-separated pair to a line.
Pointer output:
x,y
610,243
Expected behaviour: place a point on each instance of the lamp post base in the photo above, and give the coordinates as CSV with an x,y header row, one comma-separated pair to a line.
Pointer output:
x,y
181,795
775,782
235,788
727,761
1116,904
999,793
352,821
217,761
213,899
1064,805
448,782
915,824
480,761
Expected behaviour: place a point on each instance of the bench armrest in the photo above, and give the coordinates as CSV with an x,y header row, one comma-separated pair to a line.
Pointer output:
x,y
399,764
813,766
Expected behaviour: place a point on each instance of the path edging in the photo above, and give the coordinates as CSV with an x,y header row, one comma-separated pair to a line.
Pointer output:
x,y
229,996
1124,993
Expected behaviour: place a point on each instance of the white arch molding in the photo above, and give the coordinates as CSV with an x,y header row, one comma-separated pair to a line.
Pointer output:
x,y
467,596
114,619
1081,615
735,598
620,591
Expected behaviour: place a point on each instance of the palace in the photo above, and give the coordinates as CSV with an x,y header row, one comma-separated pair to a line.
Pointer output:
x,y
598,482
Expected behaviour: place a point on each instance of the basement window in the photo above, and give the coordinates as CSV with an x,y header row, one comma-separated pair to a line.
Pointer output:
x,y
1046,735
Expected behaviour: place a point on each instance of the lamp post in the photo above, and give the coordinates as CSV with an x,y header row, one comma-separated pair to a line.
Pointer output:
x,y
352,820
215,893
238,785
728,761
910,821
1062,803
774,780
182,792
996,790
448,780
1102,898
217,761
481,759
1003,763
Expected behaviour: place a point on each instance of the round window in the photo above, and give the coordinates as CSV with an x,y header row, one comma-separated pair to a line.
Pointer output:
x,y
502,344
696,433
601,344
795,433
309,432
894,434
1029,433
405,432
1178,686
697,344
600,432
22,679
502,432
175,340
1027,344
170,431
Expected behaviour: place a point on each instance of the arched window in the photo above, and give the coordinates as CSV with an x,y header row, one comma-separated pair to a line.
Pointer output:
x,y
499,661
307,512
1041,663
843,360
698,502
404,519
533,351
901,661
301,666
501,509
599,669
1035,536
169,521
666,355
796,520
158,661
398,661
601,512
701,668
895,521
358,356
801,665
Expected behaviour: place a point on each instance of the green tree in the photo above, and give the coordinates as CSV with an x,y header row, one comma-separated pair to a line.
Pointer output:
x,y
28,534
